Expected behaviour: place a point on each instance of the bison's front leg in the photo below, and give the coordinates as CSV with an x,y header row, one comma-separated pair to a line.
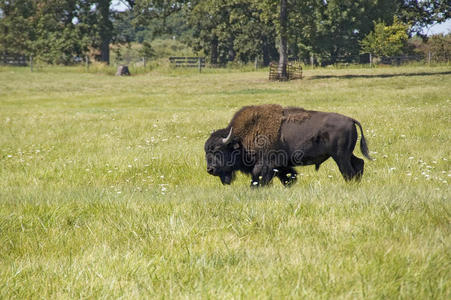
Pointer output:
x,y
262,174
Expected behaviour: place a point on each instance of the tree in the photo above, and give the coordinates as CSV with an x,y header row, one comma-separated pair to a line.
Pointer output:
x,y
44,29
440,47
331,30
16,19
283,37
147,51
420,14
232,30
212,30
386,40
105,29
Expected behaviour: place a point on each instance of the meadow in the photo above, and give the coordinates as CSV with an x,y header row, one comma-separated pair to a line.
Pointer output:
x,y
104,191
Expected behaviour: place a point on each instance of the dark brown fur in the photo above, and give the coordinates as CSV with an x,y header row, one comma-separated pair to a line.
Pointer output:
x,y
258,127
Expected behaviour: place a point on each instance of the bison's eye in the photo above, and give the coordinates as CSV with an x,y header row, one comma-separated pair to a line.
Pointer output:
x,y
210,157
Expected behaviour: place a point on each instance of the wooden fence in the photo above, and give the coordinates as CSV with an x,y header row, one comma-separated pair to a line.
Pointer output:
x,y
187,62
294,71
14,60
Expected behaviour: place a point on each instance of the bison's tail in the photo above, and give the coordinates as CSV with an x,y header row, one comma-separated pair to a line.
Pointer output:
x,y
363,144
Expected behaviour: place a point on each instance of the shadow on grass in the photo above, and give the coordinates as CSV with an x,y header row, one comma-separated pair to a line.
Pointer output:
x,y
351,76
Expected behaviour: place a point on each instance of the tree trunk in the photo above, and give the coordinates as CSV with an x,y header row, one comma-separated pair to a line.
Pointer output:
x,y
214,51
265,52
231,52
283,46
105,30
105,51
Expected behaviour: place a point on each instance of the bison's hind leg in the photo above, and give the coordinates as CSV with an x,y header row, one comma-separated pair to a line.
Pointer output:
x,y
351,167
345,166
358,165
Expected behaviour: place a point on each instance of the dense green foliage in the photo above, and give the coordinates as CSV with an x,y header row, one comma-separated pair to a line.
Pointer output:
x,y
56,31
440,46
104,191
328,30
386,40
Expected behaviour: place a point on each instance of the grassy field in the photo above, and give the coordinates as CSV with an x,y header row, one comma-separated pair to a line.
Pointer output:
x,y
104,193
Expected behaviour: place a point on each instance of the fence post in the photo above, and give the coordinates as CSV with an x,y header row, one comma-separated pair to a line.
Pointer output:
x,y
312,60
256,63
429,57
144,62
87,63
31,63
371,60
200,65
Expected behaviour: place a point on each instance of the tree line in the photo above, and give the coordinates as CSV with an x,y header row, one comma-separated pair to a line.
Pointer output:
x,y
328,31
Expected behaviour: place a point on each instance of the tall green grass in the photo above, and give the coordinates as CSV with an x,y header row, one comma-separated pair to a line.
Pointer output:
x,y
104,193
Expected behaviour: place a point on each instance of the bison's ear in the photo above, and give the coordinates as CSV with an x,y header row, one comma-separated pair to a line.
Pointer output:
x,y
236,146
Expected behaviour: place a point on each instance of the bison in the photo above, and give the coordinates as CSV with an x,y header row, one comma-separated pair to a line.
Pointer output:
x,y
268,141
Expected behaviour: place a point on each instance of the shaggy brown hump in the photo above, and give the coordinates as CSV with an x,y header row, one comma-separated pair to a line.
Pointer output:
x,y
258,127
295,114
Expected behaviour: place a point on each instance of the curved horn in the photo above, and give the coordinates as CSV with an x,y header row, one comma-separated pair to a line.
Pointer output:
x,y
227,139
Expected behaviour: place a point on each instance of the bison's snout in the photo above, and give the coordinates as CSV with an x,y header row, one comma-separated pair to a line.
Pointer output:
x,y
211,170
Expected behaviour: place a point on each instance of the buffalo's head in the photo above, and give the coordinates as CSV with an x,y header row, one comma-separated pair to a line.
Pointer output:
x,y
223,155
